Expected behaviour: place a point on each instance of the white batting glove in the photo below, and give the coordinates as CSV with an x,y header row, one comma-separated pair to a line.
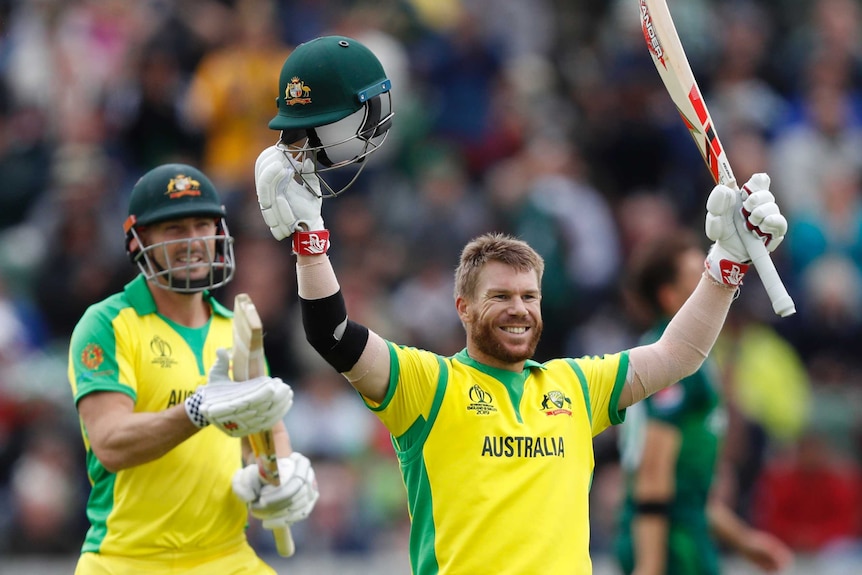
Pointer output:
x,y
288,193
728,258
283,505
238,408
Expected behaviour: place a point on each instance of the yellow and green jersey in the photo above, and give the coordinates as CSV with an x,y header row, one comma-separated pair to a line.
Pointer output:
x,y
693,407
497,464
182,503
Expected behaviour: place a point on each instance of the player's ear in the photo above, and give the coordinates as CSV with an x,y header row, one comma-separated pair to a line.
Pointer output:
x,y
461,306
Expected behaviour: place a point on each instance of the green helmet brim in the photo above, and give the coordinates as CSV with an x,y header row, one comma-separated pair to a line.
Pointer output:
x,y
188,210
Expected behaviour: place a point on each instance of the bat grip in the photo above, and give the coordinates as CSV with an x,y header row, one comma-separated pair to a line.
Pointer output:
x,y
267,464
284,541
782,303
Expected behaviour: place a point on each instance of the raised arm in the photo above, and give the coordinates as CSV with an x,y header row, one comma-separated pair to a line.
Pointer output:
x,y
358,353
290,201
692,332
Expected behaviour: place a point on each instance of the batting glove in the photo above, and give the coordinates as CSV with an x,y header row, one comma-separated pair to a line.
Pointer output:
x,y
238,408
282,505
728,258
288,193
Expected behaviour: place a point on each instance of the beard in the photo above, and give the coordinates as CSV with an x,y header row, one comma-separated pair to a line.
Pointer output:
x,y
487,341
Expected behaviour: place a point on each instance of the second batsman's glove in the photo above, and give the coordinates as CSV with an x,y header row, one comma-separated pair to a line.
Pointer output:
x,y
282,505
288,193
238,408
728,258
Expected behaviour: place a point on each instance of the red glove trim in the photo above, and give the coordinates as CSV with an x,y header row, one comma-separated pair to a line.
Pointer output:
x,y
731,272
311,243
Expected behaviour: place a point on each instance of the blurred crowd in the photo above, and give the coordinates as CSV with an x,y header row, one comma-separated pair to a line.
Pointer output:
x,y
545,119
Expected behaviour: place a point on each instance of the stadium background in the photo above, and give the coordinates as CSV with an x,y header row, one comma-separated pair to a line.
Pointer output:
x,y
542,118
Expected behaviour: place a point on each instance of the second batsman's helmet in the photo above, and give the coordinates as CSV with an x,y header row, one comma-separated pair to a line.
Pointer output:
x,y
172,192
334,104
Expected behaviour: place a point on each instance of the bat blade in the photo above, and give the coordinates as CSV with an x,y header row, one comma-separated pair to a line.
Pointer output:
x,y
249,362
676,74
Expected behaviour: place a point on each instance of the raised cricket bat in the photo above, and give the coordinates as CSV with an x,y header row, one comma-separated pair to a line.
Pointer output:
x,y
248,363
673,67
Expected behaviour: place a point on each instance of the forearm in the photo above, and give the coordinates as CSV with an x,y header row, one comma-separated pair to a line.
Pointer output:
x,y
650,533
368,365
125,440
728,528
684,345
654,490
315,277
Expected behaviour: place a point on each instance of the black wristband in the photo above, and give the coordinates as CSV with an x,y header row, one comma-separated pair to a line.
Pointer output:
x,y
652,508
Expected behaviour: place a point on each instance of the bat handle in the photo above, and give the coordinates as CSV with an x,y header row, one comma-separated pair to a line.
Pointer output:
x,y
782,303
284,541
264,451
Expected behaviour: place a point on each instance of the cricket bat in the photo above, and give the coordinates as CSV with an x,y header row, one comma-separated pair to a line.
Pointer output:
x,y
672,64
248,363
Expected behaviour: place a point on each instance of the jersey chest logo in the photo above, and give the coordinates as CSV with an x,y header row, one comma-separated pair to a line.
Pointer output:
x,y
481,402
162,352
556,403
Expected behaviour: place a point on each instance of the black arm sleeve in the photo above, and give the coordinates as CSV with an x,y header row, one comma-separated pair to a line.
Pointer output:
x,y
337,339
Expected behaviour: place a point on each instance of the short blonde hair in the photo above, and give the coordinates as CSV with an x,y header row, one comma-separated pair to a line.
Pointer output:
x,y
494,247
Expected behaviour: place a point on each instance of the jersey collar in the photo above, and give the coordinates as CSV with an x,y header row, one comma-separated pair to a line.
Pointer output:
x,y
464,358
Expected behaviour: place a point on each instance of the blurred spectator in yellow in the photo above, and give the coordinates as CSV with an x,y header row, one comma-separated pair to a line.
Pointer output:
x,y
230,99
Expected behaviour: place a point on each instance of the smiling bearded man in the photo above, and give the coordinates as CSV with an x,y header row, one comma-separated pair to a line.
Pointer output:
x,y
501,311
495,448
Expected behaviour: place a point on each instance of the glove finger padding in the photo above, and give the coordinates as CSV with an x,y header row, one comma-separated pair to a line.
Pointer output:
x,y
292,500
728,256
247,483
765,218
220,371
288,193
270,175
777,224
245,407
756,183
719,213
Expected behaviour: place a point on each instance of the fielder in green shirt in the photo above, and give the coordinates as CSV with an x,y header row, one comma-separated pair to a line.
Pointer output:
x,y
670,444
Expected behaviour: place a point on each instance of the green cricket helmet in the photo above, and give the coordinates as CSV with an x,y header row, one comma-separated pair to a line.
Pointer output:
x,y
186,265
334,104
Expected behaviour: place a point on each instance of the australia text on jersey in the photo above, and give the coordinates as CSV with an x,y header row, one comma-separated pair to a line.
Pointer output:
x,y
523,446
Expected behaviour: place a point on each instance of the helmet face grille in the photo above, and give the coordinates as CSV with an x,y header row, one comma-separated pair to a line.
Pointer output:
x,y
187,265
334,107
342,144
